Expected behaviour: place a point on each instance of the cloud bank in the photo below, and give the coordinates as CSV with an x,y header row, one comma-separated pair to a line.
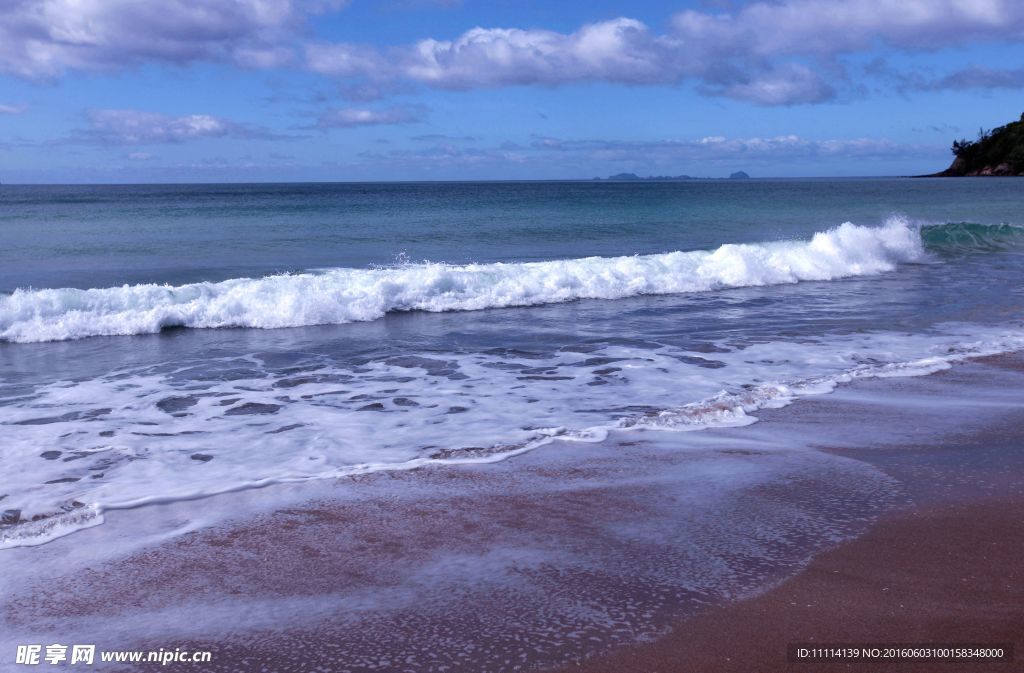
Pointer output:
x,y
699,157
768,53
619,51
45,38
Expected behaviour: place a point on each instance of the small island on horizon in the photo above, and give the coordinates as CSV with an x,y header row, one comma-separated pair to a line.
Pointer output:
x,y
997,152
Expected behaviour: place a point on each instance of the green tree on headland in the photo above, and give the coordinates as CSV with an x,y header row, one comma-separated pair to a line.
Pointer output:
x,y
999,151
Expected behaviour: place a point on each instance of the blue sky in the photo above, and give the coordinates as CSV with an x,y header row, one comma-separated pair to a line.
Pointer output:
x,y
265,90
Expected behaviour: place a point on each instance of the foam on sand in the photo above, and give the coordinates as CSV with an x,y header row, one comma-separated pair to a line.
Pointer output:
x,y
183,431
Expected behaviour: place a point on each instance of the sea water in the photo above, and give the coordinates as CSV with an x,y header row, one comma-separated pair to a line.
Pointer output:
x,y
172,342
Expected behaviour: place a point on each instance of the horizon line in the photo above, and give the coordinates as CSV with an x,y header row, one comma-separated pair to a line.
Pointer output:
x,y
458,181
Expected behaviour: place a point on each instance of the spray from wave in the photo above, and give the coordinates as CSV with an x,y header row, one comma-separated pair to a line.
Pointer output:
x,y
337,296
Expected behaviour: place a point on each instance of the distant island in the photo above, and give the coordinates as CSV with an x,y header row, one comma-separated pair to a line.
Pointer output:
x,y
632,177
997,152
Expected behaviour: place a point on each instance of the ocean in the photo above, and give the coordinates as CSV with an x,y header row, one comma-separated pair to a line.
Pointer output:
x,y
164,343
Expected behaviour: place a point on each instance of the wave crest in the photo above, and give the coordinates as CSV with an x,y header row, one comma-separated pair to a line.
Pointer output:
x,y
343,295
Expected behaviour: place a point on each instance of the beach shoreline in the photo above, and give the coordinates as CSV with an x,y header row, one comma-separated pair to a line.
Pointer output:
x,y
943,568
577,552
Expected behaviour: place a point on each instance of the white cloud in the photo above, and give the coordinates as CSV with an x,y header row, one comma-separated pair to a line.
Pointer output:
x,y
826,27
769,52
346,60
351,117
788,84
136,127
6,109
44,38
621,50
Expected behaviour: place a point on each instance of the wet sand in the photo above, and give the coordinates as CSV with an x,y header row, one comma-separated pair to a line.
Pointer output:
x,y
576,552
945,568
945,574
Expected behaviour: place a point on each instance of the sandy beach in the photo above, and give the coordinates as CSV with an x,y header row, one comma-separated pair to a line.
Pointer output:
x,y
941,574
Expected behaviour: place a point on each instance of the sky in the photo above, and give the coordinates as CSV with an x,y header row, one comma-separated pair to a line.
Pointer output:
x,y
100,91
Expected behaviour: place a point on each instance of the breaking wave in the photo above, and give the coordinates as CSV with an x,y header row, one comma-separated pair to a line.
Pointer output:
x,y
342,295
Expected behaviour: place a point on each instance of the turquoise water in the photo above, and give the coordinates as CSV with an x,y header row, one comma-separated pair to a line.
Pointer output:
x,y
290,332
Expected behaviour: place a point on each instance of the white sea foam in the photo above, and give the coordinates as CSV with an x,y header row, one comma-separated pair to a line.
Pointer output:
x,y
342,295
76,449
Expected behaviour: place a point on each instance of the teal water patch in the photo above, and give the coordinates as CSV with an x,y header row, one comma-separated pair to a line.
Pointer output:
x,y
971,236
